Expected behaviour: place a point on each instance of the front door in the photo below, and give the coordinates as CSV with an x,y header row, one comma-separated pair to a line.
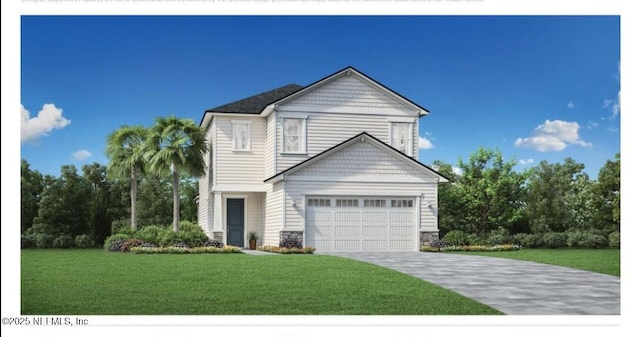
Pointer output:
x,y
235,222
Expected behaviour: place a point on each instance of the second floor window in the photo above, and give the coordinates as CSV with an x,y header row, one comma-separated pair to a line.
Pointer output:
x,y
293,135
241,135
401,137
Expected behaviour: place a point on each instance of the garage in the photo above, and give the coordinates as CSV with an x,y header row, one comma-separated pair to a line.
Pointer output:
x,y
338,223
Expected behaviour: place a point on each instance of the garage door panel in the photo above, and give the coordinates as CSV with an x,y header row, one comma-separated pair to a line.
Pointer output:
x,y
401,217
375,217
347,231
375,231
348,216
347,244
318,216
320,231
374,245
400,245
323,244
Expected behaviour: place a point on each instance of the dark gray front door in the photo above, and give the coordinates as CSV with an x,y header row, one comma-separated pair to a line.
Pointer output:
x,y
235,222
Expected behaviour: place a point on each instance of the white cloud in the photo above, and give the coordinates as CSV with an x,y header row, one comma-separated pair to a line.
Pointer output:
x,y
570,105
425,144
592,125
553,136
613,105
48,119
456,170
81,155
525,161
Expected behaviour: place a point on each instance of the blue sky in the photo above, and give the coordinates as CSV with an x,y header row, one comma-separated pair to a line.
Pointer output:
x,y
535,87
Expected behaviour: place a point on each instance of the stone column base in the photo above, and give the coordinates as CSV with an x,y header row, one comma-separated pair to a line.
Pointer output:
x,y
294,235
427,237
217,236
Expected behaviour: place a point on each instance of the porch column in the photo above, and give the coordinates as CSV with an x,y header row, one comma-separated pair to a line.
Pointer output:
x,y
217,212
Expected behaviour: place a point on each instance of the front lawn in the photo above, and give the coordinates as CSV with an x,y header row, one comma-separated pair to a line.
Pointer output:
x,y
96,282
606,260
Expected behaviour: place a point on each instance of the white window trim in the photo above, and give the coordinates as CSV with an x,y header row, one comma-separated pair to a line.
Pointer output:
x,y
234,124
410,128
303,136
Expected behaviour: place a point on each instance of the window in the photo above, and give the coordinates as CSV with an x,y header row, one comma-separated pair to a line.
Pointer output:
x,y
241,135
375,203
293,135
402,203
319,202
401,137
346,202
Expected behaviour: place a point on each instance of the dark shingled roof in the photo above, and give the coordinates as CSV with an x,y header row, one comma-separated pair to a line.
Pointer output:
x,y
255,104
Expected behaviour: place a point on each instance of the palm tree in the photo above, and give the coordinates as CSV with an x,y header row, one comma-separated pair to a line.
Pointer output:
x,y
176,147
125,150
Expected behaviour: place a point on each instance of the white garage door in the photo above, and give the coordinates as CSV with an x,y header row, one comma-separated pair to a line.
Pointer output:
x,y
361,223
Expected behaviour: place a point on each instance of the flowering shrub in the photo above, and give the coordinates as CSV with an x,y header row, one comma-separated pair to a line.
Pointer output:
x,y
181,250
429,249
213,243
494,248
285,250
128,244
291,243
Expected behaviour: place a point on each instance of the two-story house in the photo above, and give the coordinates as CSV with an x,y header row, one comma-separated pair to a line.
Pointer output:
x,y
333,163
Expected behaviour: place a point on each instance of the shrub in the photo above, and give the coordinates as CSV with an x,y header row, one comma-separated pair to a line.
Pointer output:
x,y
188,226
130,243
27,241
533,240
585,239
177,250
151,234
290,243
477,240
85,241
213,243
518,238
499,236
114,242
287,250
614,239
554,239
41,228
456,238
63,241
429,249
494,248
438,244
122,226
44,240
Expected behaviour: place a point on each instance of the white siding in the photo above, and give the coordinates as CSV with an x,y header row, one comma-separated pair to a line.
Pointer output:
x,y
204,189
429,216
239,167
269,151
327,130
273,215
348,94
363,161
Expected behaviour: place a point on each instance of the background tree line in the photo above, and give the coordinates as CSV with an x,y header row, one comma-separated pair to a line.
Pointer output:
x,y
148,177
551,204
89,203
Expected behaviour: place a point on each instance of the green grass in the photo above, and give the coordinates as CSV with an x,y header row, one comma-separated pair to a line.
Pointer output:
x,y
96,282
606,261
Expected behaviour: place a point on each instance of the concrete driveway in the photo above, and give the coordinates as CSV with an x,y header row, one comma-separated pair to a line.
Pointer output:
x,y
511,286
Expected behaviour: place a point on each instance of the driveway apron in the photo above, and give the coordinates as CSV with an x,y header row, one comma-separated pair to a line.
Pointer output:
x,y
511,286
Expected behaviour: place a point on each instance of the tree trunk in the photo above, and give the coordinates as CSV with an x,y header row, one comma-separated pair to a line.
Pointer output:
x,y
134,196
176,200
